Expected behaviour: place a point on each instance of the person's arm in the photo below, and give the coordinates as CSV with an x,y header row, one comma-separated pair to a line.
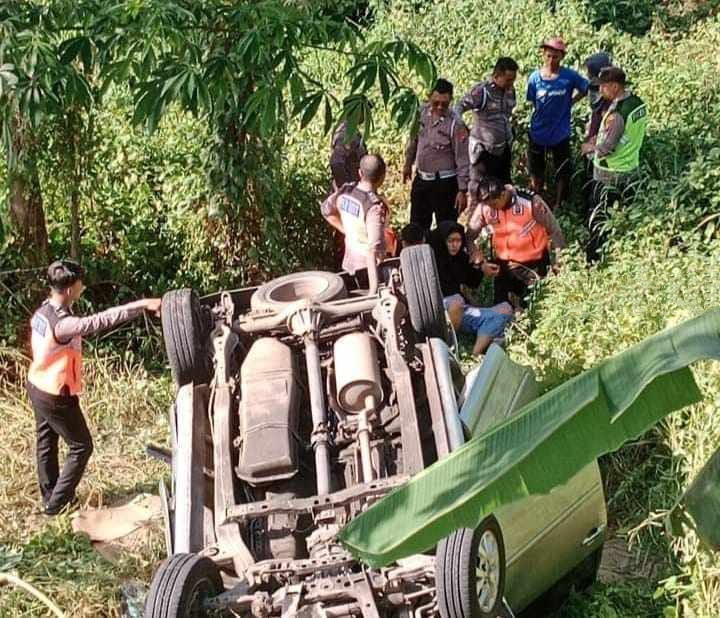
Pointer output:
x,y
544,216
530,93
329,211
473,100
614,129
581,85
410,154
475,224
462,162
73,326
375,225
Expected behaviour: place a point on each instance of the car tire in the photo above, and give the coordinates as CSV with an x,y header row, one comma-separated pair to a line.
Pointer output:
x,y
470,572
318,285
185,331
423,293
180,585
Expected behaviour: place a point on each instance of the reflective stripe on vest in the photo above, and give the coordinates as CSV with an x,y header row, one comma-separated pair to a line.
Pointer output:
x,y
56,367
516,234
626,156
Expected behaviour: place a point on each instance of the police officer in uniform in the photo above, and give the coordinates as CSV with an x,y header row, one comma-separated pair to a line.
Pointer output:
x,y
616,152
345,156
524,231
492,102
357,211
439,153
55,379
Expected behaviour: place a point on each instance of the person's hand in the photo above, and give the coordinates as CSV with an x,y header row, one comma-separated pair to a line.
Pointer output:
x,y
407,173
476,256
461,201
490,269
587,148
153,305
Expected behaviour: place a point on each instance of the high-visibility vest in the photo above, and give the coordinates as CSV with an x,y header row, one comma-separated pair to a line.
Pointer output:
x,y
56,367
626,155
517,236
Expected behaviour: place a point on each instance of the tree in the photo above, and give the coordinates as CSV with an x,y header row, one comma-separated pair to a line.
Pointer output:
x,y
240,66
42,89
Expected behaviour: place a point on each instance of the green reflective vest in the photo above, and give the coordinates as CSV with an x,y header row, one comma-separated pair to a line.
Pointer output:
x,y
626,156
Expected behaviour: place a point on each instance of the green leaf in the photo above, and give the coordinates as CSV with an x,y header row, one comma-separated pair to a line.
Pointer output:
x,y
328,115
310,106
546,443
699,506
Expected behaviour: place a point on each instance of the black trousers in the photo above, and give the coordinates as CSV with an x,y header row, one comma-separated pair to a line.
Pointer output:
x,y
428,197
603,198
496,166
59,417
516,278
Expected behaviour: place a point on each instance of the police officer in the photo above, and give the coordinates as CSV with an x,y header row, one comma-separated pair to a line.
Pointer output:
x,y
616,152
492,102
55,379
358,212
440,154
524,231
345,156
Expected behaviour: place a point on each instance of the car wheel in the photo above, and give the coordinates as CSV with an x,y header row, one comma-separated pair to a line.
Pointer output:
x,y
423,293
185,332
315,285
470,572
180,587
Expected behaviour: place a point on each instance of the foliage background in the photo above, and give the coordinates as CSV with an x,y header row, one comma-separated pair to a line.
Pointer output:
x,y
148,226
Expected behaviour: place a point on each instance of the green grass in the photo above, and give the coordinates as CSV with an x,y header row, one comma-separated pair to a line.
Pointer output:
x,y
126,408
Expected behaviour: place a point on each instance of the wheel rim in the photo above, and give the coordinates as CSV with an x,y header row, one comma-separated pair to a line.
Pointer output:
x,y
201,592
488,571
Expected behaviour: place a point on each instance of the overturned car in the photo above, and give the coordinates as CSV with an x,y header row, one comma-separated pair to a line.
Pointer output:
x,y
305,400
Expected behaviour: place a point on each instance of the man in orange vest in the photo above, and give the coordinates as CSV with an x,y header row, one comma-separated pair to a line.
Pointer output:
x,y
55,379
523,231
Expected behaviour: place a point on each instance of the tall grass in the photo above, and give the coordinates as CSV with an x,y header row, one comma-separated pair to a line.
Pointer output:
x,y
126,408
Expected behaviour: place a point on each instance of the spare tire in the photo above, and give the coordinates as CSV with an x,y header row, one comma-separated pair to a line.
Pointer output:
x,y
186,333
423,293
316,285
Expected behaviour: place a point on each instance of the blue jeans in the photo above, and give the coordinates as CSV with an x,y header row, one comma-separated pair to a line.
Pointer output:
x,y
480,320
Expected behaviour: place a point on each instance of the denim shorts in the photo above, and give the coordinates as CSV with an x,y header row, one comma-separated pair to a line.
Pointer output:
x,y
480,320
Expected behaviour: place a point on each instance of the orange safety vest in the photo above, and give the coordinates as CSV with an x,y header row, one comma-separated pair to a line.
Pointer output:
x,y
56,367
517,236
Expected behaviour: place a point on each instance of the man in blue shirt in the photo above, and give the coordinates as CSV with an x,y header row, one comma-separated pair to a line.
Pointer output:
x,y
552,90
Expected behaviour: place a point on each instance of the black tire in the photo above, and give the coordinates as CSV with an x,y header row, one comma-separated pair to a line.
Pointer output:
x,y
317,285
180,585
185,332
457,561
423,293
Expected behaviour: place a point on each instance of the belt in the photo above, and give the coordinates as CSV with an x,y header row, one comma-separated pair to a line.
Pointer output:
x,y
441,175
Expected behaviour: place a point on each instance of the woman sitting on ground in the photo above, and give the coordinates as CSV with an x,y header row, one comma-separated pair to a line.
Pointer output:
x,y
455,271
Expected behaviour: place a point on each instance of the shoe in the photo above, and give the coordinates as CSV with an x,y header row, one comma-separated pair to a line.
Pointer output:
x,y
51,510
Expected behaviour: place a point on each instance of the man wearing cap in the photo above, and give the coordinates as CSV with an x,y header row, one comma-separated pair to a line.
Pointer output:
x,y
55,379
616,152
552,90
440,154
492,102
598,106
